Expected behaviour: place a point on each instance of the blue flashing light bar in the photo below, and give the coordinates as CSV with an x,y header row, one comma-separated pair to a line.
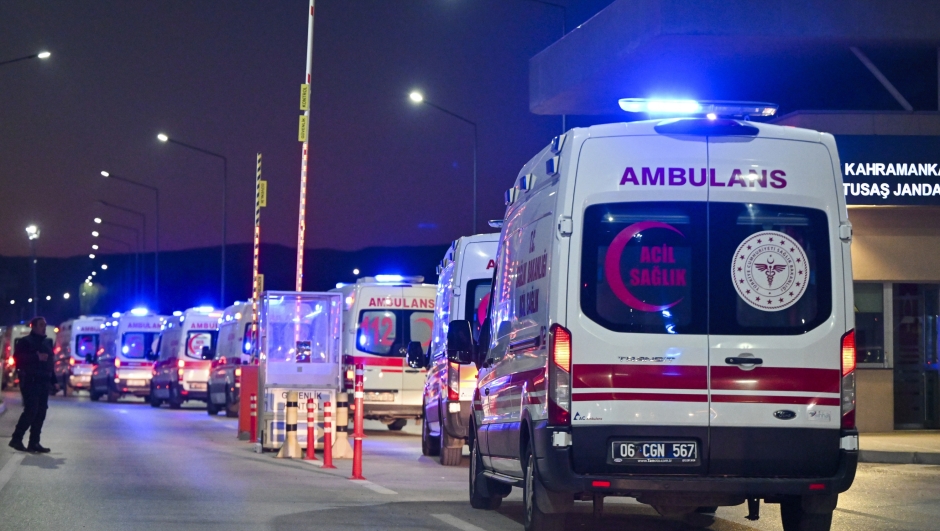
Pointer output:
x,y
139,312
177,313
339,285
116,314
204,309
711,109
389,278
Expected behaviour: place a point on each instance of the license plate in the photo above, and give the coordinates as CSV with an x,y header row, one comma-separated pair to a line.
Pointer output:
x,y
198,386
379,397
654,452
136,383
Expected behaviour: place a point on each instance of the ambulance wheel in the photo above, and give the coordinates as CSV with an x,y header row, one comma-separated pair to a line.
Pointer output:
x,y
430,445
397,424
451,449
113,394
211,408
231,406
533,517
94,395
154,401
796,518
175,401
481,487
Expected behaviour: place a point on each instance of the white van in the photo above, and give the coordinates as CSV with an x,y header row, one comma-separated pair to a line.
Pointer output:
x,y
234,350
77,343
185,351
671,321
465,276
124,361
381,315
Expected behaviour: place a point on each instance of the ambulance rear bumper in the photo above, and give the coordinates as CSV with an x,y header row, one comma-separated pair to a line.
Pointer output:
x,y
557,474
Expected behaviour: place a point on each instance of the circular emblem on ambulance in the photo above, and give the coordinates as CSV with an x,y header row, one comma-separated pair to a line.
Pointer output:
x,y
770,271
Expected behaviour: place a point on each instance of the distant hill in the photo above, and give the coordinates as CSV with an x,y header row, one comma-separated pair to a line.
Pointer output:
x,y
191,277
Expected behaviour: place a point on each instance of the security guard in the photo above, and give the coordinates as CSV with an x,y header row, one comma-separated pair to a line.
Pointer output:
x,y
35,362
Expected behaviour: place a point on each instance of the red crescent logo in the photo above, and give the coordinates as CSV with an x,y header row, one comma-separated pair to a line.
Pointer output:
x,y
430,324
612,266
481,310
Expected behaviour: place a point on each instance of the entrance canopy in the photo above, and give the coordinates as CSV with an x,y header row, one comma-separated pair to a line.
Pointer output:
x,y
798,53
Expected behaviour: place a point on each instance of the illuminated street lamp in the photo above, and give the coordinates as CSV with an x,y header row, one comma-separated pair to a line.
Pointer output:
x,y
165,139
32,232
418,99
41,55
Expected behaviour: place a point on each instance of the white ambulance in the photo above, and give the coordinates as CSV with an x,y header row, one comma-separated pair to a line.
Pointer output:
x,y
465,276
234,350
76,344
671,321
185,351
381,316
125,356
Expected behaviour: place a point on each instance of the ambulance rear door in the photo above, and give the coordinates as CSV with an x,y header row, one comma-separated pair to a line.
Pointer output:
x,y
379,341
776,306
637,303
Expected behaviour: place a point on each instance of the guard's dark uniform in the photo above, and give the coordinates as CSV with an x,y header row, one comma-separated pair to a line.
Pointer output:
x,y
35,378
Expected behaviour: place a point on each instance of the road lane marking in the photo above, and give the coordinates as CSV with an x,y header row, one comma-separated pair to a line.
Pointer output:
x,y
373,487
452,520
6,473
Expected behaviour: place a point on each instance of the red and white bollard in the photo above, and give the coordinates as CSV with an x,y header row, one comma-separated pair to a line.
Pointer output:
x,y
253,420
357,425
328,434
311,430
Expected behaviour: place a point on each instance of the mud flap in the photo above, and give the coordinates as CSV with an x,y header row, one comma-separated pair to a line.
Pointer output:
x,y
550,502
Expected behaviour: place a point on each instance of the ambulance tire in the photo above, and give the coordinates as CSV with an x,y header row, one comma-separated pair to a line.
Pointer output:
x,y
231,406
490,500
113,394
154,401
397,424
211,408
451,453
175,401
94,395
533,518
796,518
430,445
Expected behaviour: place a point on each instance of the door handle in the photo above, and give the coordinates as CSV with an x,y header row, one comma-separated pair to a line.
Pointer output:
x,y
412,371
486,391
743,361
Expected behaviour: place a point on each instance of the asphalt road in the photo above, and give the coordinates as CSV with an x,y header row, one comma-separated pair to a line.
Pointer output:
x,y
127,466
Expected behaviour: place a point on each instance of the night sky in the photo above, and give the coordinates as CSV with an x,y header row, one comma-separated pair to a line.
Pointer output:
x,y
383,172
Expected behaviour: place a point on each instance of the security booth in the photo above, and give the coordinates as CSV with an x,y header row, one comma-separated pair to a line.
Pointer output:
x,y
299,350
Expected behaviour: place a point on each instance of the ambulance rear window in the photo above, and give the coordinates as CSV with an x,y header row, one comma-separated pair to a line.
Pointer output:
x,y
86,344
770,270
644,267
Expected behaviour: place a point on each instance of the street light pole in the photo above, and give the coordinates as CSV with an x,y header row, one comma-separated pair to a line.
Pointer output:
x,y
164,138
156,253
40,55
32,232
136,254
418,98
143,218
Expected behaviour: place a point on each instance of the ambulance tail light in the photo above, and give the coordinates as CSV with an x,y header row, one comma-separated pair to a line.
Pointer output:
x,y
117,363
559,376
349,382
453,382
848,380
11,362
71,361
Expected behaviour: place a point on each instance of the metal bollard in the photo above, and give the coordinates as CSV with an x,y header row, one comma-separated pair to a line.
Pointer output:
x,y
253,417
327,434
290,449
357,425
311,430
341,447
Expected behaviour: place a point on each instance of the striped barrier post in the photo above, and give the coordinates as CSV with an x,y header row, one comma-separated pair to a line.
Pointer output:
x,y
290,449
357,425
341,447
253,424
327,434
311,430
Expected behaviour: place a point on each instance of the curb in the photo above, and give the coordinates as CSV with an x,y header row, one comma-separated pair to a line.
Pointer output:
x,y
899,458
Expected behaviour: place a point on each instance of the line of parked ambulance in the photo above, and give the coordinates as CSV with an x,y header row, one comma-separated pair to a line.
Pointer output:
x,y
665,315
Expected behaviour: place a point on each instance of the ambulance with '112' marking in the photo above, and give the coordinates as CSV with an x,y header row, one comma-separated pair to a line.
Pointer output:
x,y
382,315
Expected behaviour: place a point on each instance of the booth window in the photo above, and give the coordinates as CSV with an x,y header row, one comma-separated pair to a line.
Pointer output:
x,y
869,323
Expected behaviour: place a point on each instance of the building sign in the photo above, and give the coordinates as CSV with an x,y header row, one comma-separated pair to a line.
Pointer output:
x,y
890,170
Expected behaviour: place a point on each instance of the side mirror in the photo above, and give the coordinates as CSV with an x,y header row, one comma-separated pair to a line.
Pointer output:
x,y
460,348
89,358
151,356
206,353
415,356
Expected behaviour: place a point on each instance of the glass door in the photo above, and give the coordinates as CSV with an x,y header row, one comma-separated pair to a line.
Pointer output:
x,y
916,309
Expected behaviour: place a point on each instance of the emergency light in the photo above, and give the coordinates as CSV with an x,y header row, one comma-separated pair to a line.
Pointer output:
x,y
139,312
710,109
116,314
